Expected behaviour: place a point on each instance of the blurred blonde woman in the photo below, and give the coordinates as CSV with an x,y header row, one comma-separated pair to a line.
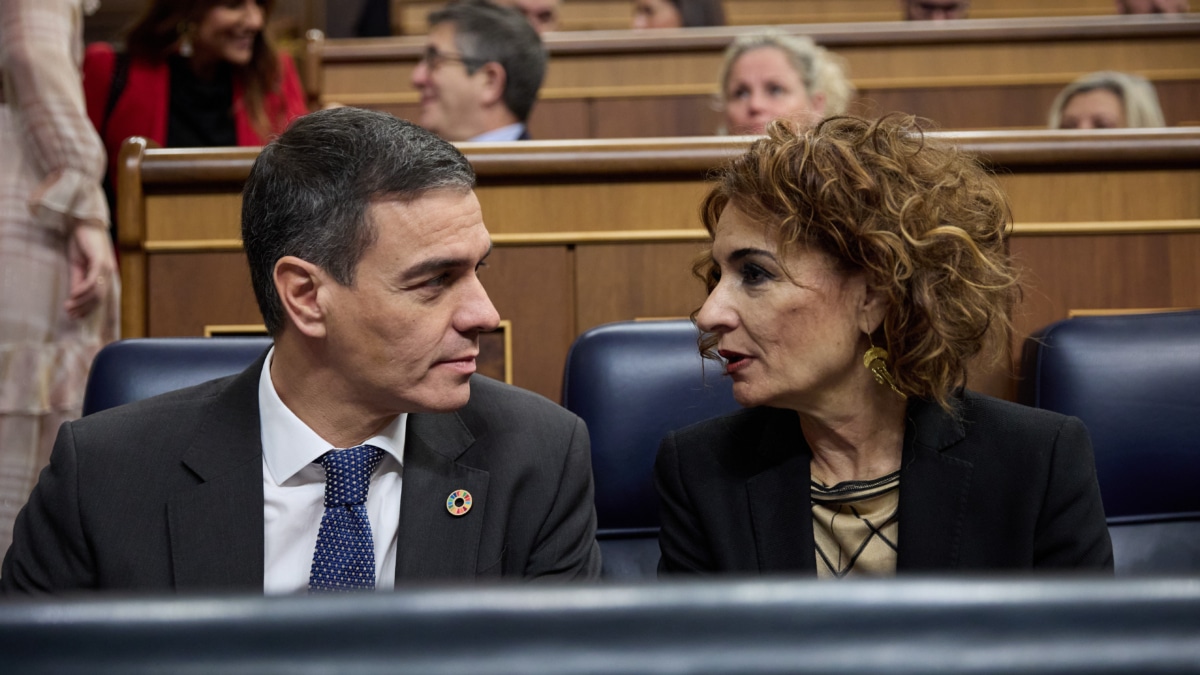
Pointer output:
x,y
58,295
769,75
1107,100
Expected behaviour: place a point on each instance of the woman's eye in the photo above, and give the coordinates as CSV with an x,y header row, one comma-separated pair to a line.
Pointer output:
x,y
776,90
752,275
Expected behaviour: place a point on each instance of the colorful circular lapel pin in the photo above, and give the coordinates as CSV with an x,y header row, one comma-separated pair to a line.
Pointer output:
x,y
458,503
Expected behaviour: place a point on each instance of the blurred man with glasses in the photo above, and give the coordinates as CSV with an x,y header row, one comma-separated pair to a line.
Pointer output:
x,y
480,74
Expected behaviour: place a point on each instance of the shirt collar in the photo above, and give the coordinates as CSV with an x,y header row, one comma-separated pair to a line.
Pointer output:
x,y
511,132
289,445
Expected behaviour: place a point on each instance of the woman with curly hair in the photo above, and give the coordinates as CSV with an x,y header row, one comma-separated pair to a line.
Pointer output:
x,y
855,269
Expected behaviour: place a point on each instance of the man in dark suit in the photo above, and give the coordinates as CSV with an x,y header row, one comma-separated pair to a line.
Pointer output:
x,y
365,240
481,73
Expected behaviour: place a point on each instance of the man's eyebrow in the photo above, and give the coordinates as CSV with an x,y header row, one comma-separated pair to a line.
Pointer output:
x,y
435,265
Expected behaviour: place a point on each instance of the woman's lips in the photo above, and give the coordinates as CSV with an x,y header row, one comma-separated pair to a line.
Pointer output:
x,y
734,361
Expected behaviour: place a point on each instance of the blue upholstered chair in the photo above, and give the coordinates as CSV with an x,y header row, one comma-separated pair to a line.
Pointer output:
x,y
632,382
131,370
1134,380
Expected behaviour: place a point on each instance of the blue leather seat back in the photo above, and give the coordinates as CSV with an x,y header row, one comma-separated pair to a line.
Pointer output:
x,y
131,370
1134,380
632,382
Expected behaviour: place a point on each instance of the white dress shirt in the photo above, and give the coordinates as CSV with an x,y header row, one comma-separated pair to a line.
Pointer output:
x,y
294,493
511,132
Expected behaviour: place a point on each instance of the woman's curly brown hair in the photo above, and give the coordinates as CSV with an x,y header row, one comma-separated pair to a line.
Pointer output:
x,y
923,220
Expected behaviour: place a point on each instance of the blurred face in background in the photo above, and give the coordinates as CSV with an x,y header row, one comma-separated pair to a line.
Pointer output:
x,y
228,30
656,14
762,86
1152,6
935,10
450,96
1095,109
541,14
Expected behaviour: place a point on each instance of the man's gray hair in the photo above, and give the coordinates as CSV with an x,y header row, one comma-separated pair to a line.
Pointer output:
x,y
487,33
309,191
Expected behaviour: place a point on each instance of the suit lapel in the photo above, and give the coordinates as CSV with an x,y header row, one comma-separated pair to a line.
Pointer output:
x,y
933,491
780,508
431,542
216,528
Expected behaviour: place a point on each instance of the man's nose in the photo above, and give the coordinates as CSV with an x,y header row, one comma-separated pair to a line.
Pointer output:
x,y
479,315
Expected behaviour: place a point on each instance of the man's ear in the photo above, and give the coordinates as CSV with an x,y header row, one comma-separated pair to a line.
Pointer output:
x,y
493,80
300,285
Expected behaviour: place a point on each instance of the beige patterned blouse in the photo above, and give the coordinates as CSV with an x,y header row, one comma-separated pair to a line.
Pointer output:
x,y
855,527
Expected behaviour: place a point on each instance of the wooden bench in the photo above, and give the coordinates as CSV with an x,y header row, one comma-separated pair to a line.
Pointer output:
x,y
589,232
408,16
976,74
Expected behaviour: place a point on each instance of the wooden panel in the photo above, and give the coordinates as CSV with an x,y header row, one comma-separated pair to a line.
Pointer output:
x,y
1087,272
133,293
582,15
950,108
970,74
194,217
378,76
618,282
186,291
532,288
1180,102
1103,196
599,231
655,117
1183,252
1022,106
548,206
990,62
561,119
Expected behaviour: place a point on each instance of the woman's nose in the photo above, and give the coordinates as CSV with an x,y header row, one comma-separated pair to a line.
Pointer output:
x,y
254,15
715,315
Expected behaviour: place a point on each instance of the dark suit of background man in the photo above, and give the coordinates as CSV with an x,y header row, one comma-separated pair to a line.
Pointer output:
x,y
365,241
481,73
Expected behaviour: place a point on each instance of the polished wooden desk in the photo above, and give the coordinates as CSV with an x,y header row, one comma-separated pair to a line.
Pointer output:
x,y
975,74
589,232
408,16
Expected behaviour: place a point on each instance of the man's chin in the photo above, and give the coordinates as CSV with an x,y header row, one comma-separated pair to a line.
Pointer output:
x,y
446,400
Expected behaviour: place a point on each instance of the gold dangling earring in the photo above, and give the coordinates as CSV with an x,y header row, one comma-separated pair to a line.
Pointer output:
x,y
876,361
185,40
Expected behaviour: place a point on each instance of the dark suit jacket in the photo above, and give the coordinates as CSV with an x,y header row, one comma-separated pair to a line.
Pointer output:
x,y
166,494
1002,487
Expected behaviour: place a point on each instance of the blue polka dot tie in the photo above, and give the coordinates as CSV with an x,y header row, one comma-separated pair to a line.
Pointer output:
x,y
345,555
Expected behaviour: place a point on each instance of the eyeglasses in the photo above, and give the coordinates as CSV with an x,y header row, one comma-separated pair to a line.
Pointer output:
x,y
433,58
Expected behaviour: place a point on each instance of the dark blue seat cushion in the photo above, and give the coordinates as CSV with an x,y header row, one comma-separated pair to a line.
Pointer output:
x,y
1134,380
131,370
632,382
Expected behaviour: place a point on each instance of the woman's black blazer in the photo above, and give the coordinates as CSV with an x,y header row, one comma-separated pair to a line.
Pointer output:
x,y
997,486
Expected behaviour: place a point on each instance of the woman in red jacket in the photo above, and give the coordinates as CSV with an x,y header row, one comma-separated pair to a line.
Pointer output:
x,y
196,73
